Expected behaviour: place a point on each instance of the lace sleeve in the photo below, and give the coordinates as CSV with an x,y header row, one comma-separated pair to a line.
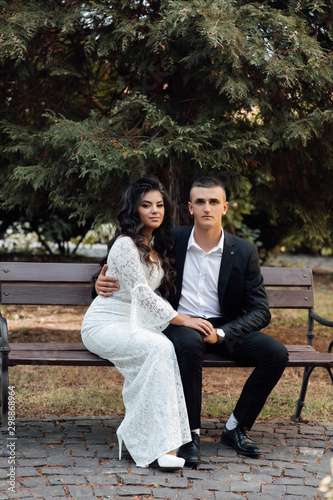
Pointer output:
x,y
148,309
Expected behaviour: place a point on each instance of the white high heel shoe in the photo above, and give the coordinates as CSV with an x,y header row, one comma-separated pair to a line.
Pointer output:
x,y
170,462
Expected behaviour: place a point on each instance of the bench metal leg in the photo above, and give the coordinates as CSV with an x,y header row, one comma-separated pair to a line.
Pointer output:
x,y
306,377
330,371
4,349
300,403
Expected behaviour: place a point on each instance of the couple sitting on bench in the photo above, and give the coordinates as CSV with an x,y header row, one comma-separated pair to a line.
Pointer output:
x,y
213,300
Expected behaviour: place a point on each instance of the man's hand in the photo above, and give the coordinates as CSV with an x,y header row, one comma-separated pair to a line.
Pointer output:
x,y
212,338
106,285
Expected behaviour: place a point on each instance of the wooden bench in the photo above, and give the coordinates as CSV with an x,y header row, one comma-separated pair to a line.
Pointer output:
x,y
70,284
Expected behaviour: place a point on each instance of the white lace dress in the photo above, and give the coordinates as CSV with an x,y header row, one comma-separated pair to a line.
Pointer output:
x,y
126,328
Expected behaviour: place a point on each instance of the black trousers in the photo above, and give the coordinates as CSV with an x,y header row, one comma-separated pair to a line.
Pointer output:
x,y
268,356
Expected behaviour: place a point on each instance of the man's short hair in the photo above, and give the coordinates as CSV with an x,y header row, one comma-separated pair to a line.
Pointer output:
x,y
208,182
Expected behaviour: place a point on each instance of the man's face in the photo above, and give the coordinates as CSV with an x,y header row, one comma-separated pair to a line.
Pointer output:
x,y
208,205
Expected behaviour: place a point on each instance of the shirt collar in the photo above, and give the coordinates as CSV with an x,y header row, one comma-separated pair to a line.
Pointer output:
x,y
193,244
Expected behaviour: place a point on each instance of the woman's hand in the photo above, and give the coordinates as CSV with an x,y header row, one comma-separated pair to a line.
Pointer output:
x,y
106,285
204,327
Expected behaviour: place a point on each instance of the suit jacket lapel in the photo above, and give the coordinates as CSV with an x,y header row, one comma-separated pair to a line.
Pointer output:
x,y
180,255
228,256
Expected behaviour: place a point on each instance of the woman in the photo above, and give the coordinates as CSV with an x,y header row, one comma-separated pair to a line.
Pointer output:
x,y
126,328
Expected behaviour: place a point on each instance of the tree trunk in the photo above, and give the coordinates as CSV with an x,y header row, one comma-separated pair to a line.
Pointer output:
x,y
179,191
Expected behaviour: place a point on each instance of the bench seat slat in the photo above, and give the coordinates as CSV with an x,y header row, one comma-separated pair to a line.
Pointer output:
x,y
77,355
79,346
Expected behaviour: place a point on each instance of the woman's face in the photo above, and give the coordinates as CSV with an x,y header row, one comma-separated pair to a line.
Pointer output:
x,y
151,211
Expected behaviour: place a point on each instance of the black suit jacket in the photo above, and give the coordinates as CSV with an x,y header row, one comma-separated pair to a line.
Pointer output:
x,y
242,297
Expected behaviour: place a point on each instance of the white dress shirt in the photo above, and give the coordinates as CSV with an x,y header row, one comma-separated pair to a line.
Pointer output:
x,y
199,297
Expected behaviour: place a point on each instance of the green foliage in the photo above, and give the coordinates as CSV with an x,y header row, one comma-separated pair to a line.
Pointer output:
x,y
98,93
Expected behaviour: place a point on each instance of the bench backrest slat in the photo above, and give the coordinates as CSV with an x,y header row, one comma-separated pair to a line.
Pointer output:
x,y
289,299
81,295
47,295
287,276
47,272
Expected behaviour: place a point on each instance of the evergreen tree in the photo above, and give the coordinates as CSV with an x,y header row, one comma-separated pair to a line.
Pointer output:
x,y
97,93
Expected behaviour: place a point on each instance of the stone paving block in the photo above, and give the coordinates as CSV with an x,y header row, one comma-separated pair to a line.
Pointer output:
x,y
164,493
102,480
3,485
26,472
244,487
264,496
80,450
102,450
31,462
111,470
34,452
238,468
34,482
297,497
4,473
284,464
85,471
196,493
195,474
302,491
48,491
289,480
313,481
154,481
274,489
63,480
79,491
60,461
50,440
131,490
105,492
86,462
228,496
296,473
57,451
258,478
310,452
177,482
134,479
271,471
225,475
48,471
23,495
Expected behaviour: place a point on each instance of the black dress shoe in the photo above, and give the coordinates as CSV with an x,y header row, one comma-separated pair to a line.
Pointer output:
x,y
238,439
191,451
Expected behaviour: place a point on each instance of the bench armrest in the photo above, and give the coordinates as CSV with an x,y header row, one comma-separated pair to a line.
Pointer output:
x,y
320,320
4,344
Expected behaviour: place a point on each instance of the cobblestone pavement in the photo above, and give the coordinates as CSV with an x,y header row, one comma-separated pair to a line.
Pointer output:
x,y
77,458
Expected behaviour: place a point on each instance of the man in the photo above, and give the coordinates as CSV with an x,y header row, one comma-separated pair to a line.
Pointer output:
x,y
219,279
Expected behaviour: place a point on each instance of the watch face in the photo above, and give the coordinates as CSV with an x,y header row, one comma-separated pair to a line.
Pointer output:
x,y
220,332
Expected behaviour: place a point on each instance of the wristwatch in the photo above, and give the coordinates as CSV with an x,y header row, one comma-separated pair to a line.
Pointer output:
x,y
220,335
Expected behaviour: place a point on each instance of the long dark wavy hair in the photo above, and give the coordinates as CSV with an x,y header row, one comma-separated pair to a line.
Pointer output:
x,y
130,224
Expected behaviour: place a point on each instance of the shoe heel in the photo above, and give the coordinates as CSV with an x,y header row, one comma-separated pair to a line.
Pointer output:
x,y
120,444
